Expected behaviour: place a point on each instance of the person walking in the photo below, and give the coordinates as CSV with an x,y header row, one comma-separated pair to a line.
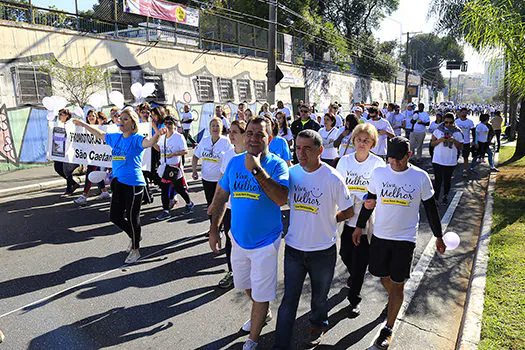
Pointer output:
x,y
396,192
420,120
315,209
433,126
329,134
256,182
303,123
496,123
211,150
446,141
128,181
172,147
356,168
186,120
467,127
63,169
384,130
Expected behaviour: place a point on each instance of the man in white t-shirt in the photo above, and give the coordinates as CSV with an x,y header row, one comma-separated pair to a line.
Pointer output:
x,y
315,209
409,112
418,133
222,116
186,120
396,192
396,120
384,129
467,127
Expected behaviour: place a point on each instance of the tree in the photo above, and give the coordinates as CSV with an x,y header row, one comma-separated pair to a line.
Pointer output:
x,y
426,54
378,60
77,83
495,27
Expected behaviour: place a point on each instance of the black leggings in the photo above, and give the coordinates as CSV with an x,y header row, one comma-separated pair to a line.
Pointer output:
x,y
166,194
226,221
125,209
59,168
209,191
356,261
443,175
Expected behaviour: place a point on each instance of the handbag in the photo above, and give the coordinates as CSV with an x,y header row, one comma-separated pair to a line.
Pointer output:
x,y
171,173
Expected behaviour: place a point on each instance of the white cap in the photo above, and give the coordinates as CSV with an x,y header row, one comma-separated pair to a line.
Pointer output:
x,y
357,108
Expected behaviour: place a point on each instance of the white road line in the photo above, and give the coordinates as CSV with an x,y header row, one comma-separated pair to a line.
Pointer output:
x,y
422,265
98,276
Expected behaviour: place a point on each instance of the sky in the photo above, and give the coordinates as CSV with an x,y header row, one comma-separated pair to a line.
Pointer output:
x,y
411,16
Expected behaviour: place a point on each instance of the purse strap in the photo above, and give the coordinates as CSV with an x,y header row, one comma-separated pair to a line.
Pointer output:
x,y
165,161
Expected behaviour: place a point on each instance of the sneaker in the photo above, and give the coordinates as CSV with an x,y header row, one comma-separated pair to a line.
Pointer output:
x,y
494,170
163,216
132,257
355,310
103,196
227,281
189,208
314,337
249,344
383,340
247,326
82,200
173,202
2,337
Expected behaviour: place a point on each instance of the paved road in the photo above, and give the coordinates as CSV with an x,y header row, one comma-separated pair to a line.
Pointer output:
x,y
51,247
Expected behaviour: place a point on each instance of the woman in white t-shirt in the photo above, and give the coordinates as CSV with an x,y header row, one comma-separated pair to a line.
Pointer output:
x,y
284,129
447,140
344,139
433,126
237,130
211,150
329,134
356,168
172,147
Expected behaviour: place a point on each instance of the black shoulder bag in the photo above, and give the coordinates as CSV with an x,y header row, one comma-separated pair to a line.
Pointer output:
x,y
171,173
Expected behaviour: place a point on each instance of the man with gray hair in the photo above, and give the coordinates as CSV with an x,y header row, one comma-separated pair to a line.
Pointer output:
x,y
316,206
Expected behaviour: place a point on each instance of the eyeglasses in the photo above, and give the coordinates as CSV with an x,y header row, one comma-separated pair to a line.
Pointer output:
x,y
303,111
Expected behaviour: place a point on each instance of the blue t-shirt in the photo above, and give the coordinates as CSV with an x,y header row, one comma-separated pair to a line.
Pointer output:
x,y
127,155
279,147
256,219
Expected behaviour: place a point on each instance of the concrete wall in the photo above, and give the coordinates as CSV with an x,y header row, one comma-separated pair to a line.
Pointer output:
x,y
21,138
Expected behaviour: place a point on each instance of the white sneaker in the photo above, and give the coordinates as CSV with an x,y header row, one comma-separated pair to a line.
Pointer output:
x,y
130,245
103,196
132,257
82,200
247,326
249,345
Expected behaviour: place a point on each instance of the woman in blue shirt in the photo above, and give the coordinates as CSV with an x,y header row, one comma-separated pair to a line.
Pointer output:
x,y
128,181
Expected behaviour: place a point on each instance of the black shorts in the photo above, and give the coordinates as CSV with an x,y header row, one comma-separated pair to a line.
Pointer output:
x,y
391,258
465,151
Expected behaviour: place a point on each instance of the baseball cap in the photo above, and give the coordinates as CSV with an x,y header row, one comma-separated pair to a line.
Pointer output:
x,y
357,108
397,147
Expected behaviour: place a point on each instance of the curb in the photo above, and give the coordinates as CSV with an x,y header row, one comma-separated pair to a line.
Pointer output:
x,y
470,329
34,187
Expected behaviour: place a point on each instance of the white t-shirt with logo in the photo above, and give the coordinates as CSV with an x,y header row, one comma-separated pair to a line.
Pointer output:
x,y
381,124
482,133
425,118
315,199
446,153
347,140
186,116
174,143
357,177
465,126
211,155
399,195
329,150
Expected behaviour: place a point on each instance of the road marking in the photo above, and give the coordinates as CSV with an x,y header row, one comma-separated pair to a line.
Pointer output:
x,y
424,261
99,276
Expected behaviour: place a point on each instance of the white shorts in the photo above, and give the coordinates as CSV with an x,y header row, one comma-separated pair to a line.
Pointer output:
x,y
256,269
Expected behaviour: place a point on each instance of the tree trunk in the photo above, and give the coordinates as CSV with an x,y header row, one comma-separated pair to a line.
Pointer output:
x,y
520,142
512,117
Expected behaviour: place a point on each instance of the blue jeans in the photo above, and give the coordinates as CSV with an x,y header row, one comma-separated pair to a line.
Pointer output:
x,y
320,267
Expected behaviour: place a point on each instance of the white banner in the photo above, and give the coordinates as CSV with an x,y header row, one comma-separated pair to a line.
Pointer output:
x,y
74,144
167,11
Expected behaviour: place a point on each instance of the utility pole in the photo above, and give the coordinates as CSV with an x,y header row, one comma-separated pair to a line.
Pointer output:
x,y
450,86
407,71
116,17
272,38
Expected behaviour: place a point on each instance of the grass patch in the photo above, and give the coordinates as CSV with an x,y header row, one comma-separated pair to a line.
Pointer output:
x,y
503,323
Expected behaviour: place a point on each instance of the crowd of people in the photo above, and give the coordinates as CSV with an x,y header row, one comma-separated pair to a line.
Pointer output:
x,y
357,170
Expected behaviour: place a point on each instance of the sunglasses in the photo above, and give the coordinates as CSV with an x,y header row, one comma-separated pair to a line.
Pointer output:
x,y
449,123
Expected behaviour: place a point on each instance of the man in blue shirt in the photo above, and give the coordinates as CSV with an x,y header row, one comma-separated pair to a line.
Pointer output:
x,y
257,184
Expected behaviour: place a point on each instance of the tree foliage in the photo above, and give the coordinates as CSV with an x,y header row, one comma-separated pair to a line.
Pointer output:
x,y
78,84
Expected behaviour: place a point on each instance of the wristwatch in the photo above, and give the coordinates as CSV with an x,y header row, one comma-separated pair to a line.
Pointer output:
x,y
256,171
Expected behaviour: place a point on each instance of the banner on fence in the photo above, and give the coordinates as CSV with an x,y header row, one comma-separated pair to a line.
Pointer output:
x,y
73,144
163,10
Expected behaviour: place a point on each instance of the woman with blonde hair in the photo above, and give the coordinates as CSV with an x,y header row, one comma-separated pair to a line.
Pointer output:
x,y
128,181
356,168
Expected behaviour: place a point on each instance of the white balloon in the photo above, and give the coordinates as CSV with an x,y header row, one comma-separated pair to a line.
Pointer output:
x,y
96,176
451,240
136,90
79,112
50,116
117,98
96,101
148,89
60,102
49,103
